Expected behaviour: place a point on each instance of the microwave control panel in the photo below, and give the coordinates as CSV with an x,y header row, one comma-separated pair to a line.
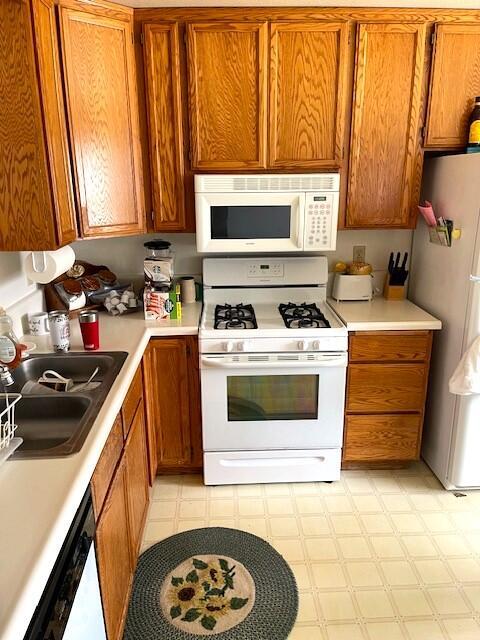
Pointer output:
x,y
320,222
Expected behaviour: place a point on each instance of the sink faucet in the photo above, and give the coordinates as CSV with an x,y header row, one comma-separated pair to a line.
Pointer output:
x,y
6,377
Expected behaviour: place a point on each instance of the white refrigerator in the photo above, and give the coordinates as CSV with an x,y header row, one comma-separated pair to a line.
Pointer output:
x,y
446,282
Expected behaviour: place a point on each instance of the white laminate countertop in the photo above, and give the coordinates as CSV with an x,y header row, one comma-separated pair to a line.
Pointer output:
x,y
39,498
380,314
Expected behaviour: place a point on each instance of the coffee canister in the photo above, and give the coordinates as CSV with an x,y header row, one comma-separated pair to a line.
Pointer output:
x,y
59,330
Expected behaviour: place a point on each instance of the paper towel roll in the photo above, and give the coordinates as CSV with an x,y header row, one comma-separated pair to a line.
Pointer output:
x,y
56,263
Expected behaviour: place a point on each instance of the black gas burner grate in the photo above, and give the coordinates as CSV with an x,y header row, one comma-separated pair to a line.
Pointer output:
x,y
302,316
238,316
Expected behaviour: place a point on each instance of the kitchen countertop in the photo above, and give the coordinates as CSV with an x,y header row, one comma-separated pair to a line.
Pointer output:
x,y
39,498
380,314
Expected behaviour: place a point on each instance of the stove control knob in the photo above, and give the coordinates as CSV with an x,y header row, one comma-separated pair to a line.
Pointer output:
x,y
228,346
316,345
241,346
302,345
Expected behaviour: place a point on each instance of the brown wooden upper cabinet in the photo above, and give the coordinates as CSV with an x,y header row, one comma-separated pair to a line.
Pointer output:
x,y
102,105
385,148
308,94
36,197
455,81
165,123
227,73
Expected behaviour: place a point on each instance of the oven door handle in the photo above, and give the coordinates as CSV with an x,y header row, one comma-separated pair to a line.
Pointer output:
x,y
325,361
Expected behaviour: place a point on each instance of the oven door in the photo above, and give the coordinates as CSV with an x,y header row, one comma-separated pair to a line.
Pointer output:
x,y
273,401
242,222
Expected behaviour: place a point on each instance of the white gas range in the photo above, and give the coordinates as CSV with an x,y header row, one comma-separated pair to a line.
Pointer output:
x,y
273,359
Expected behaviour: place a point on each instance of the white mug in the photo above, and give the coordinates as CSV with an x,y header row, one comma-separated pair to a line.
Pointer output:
x,y
38,324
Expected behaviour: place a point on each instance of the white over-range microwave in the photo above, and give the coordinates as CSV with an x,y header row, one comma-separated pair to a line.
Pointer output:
x,y
266,213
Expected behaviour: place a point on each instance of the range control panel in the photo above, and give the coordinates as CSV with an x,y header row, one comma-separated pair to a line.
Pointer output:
x,y
265,270
320,221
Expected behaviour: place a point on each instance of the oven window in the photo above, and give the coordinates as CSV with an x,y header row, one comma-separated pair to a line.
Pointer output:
x,y
268,397
250,222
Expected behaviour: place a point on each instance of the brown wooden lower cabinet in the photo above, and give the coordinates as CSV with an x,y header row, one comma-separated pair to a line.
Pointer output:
x,y
386,388
114,554
120,495
137,478
173,403
383,437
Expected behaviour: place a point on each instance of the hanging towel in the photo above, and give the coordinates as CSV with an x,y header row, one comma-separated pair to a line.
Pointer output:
x,y
466,378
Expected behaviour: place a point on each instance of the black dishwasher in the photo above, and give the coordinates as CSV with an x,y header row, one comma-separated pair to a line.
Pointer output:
x,y
70,607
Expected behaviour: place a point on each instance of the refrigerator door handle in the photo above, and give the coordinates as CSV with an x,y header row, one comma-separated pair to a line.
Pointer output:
x,y
475,279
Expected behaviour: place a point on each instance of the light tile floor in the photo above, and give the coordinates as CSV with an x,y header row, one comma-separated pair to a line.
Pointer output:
x,y
379,555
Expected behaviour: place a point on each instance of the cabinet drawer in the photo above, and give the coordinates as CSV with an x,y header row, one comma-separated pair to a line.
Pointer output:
x,y
102,476
130,404
389,346
381,438
386,388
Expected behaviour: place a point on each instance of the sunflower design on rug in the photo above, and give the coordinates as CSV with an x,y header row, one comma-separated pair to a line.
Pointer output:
x,y
206,595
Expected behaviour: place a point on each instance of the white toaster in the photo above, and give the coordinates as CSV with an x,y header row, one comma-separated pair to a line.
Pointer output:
x,y
352,287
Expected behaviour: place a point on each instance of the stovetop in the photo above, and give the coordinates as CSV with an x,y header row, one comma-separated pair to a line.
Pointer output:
x,y
253,316
250,320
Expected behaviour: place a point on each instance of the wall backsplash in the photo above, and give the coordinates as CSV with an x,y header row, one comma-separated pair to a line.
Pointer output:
x,y
125,255
17,294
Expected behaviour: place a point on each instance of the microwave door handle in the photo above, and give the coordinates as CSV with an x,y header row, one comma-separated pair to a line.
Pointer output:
x,y
300,216
326,361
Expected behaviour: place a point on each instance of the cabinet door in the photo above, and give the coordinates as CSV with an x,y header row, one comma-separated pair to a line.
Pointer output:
x,y
104,126
114,559
26,219
386,388
308,94
106,465
227,67
169,402
45,26
455,82
165,124
137,478
382,437
385,152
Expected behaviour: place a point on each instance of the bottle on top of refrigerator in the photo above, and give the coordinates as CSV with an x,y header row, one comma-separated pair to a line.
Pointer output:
x,y
474,125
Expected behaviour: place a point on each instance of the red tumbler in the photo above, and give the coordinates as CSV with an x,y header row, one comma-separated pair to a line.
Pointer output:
x,y
90,330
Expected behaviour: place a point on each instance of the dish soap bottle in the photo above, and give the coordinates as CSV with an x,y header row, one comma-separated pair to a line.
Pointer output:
x,y
10,347
474,125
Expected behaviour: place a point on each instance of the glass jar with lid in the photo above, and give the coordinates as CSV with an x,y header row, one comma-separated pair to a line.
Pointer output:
x,y
158,248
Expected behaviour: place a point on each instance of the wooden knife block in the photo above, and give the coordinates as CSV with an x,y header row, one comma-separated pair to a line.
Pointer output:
x,y
394,292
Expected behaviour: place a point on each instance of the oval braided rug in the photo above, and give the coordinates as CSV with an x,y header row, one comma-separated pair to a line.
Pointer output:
x,y
261,595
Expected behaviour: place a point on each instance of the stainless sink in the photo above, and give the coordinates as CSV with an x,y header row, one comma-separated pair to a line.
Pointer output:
x,y
75,365
55,425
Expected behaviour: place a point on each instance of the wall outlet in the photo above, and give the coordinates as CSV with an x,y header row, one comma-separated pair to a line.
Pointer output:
x,y
359,253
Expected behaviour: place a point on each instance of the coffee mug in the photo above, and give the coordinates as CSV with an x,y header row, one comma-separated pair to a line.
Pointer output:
x,y
38,324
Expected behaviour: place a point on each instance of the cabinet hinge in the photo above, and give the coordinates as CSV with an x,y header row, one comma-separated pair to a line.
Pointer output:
x,y
152,215
433,37
142,38
424,133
